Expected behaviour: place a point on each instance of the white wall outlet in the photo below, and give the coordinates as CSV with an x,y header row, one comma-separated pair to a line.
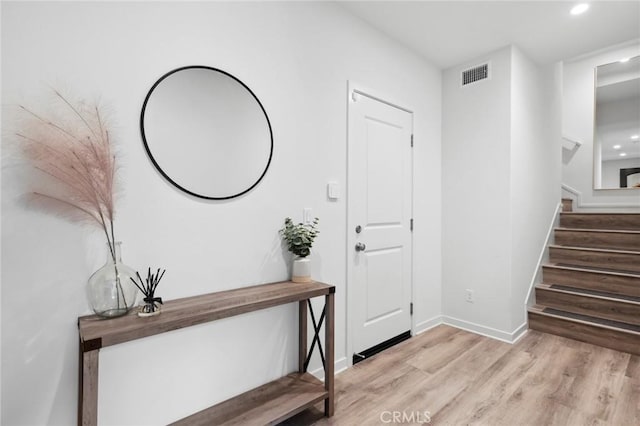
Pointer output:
x,y
306,215
468,295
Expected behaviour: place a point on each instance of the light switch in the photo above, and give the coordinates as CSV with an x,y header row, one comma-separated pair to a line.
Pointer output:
x,y
333,190
306,215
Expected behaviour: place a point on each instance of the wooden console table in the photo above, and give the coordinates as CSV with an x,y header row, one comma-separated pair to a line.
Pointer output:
x,y
268,404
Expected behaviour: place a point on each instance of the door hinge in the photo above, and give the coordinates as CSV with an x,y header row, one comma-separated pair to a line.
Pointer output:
x,y
411,141
411,224
411,308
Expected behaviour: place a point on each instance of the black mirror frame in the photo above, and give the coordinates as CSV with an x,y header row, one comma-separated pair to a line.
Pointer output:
x,y
155,163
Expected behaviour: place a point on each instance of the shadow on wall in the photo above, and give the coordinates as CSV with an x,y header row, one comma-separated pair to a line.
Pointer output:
x,y
567,154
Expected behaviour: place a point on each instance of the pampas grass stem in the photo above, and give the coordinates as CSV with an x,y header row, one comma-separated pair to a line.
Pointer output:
x,y
76,152
78,158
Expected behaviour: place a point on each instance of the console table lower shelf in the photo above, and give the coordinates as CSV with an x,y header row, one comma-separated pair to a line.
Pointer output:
x,y
268,404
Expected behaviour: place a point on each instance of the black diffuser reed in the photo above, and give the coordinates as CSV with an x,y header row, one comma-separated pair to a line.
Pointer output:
x,y
148,288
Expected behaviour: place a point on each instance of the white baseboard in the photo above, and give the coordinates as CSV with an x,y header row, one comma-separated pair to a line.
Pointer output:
x,y
423,326
482,330
339,366
520,332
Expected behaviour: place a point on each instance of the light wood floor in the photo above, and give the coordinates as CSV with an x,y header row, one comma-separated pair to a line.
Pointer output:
x,y
461,378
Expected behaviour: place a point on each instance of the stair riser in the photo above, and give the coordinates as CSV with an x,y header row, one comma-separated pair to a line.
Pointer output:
x,y
585,305
615,261
608,338
567,205
605,240
601,221
615,284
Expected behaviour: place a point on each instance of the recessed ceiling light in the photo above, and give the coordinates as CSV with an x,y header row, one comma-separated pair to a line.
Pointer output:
x,y
579,8
634,137
623,154
623,60
617,147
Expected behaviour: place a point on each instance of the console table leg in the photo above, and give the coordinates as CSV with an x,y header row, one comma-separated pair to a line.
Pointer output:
x,y
329,328
302,335
88,388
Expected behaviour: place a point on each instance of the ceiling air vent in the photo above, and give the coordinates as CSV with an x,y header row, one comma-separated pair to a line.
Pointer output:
x,y
472,75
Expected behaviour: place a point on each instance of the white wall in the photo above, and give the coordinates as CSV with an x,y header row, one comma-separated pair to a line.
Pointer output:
x,y
297,58
501,186
535,171
476,237
577,123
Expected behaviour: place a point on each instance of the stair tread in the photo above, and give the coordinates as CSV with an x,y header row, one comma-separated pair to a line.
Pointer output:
x,y
591,282
600,250
592,270
598,214
536,308
602,269
586,319
594,230
600,220
590,293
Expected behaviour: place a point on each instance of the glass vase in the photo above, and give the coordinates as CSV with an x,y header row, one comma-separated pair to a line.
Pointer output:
x,y
110,290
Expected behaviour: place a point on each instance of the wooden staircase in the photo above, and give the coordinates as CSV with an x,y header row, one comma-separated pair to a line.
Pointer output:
x,y
591,286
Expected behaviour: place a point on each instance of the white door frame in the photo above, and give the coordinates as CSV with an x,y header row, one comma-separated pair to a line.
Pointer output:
x,y
354,90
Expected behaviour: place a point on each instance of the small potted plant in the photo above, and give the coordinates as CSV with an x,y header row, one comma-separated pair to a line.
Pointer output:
x,y
299,239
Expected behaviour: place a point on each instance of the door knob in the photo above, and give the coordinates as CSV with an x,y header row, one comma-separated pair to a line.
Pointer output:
x,y
360,247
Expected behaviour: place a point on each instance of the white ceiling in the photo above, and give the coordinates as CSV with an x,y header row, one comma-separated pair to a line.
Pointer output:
x,y
448,33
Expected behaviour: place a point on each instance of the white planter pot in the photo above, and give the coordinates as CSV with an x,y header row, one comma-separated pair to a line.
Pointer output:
x,y
301,272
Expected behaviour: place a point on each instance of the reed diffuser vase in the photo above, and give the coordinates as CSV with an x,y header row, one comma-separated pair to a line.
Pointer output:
x,y
110,290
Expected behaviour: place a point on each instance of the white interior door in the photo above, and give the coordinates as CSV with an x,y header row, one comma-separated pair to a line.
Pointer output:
x,y
379,221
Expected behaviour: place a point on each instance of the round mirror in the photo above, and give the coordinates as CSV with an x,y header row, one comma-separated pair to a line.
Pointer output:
x,y
206,132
